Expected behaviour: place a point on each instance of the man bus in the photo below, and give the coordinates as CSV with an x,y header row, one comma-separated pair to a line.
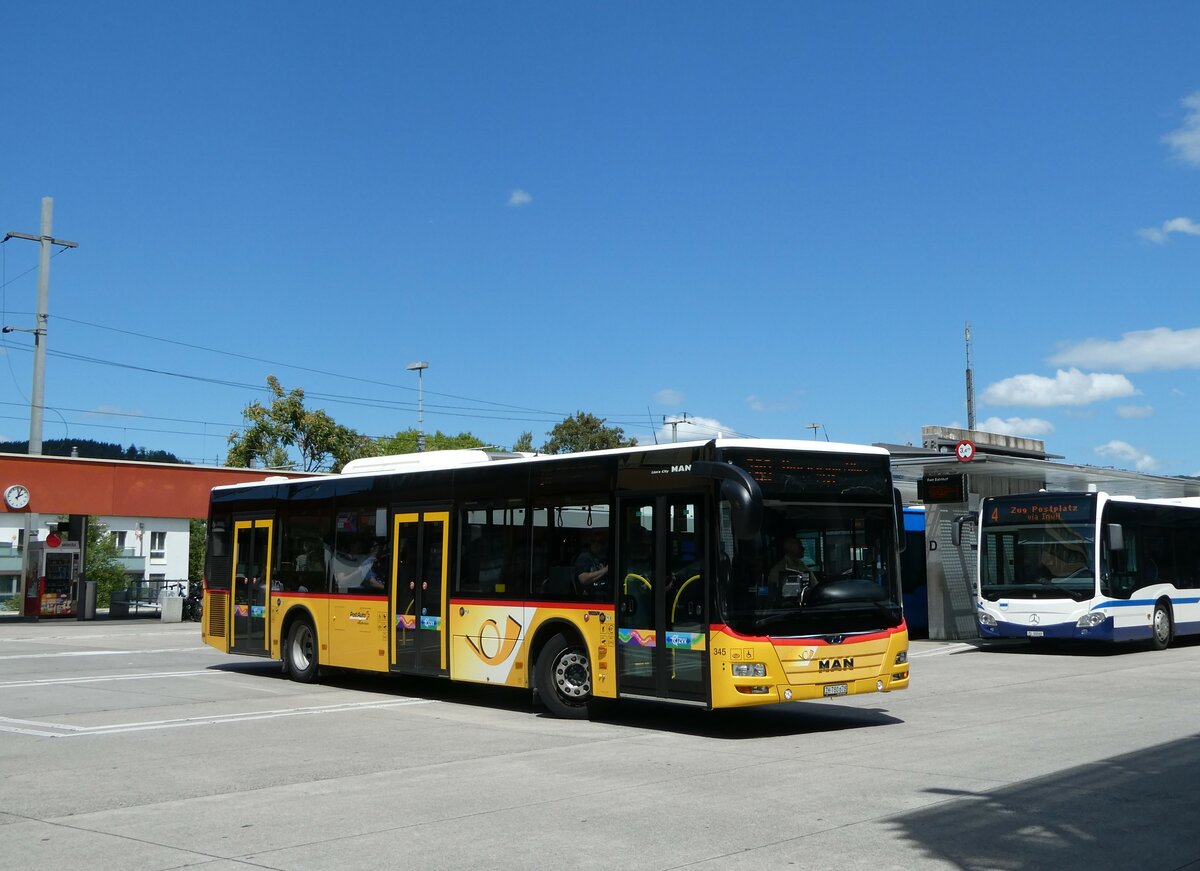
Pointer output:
x,y
638,572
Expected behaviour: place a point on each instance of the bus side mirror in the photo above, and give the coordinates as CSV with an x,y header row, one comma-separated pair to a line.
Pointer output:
x,y
898,504
1116,536
956,528
741,491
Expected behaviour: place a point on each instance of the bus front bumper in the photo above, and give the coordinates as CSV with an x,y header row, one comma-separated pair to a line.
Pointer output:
x,y
1066,631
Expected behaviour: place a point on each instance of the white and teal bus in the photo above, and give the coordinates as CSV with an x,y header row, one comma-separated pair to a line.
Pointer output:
x,y
1089,566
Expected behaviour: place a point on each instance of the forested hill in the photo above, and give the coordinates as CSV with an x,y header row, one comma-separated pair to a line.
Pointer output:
x,y
92,450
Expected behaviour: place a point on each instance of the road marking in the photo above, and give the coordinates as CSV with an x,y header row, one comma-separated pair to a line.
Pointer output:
x,y
52,639
55,681
101,653
940,651
65,730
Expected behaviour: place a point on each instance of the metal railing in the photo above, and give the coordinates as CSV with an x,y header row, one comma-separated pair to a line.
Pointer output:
x,y
144,596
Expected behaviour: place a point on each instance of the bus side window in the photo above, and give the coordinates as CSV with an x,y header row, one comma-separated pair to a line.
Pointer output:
x,y
575,543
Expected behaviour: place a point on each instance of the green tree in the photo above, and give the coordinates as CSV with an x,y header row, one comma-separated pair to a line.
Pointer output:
x,y
525,442
101,563
405,442
585,432
197,537
287,425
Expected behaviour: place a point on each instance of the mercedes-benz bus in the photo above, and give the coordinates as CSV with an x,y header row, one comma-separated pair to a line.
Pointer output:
x,y
1089,566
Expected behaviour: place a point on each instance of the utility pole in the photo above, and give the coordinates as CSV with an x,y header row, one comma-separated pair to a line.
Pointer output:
x,y
37,403
673,423
419,367
970,383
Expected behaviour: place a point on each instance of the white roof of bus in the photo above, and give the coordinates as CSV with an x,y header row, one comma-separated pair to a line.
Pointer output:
x,y
457,459
1181,501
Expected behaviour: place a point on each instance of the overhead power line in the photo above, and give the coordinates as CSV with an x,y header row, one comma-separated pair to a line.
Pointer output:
x,y
299,368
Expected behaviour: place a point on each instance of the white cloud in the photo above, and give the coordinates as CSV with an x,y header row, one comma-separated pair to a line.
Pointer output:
x,y
757,403
1185,141
1067,387
1028,427
520,198
669,397
1132,412
1138,351
1126,453
1175,225
695,429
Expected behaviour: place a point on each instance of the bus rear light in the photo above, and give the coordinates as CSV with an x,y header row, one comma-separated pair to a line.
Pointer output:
x,y
1092,618
749,669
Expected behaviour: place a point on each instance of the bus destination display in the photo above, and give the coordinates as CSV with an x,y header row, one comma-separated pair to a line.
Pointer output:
x,y
1043,510
815,474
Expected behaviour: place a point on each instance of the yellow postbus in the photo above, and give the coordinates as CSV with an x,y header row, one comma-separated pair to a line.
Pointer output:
x,y
715,574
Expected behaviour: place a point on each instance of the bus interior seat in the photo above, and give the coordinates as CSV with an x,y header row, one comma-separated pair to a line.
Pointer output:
x,y
561,581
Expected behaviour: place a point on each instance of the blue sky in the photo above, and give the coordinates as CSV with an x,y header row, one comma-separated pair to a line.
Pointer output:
x,y
762,215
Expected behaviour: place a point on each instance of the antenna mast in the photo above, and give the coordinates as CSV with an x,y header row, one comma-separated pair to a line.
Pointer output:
x,y
970,382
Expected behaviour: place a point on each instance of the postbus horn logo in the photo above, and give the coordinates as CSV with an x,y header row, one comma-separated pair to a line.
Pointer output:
x,y
491,638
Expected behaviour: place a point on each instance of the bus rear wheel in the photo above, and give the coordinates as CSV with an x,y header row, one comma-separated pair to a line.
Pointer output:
x,y
564,678
300,652
1162,628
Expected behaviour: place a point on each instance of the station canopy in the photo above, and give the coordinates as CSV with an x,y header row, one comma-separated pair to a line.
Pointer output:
x,y
1023,466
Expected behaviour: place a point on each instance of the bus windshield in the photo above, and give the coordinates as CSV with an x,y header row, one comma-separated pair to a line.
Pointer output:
x,y
1038,561
814,570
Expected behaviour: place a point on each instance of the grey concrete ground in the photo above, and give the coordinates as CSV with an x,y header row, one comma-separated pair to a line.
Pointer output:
x,y
130,745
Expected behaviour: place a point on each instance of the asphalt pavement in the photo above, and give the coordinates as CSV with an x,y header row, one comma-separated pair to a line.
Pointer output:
x,y
131,745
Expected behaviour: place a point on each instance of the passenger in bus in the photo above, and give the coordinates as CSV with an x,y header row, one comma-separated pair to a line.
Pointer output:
x,y
591,566
373,569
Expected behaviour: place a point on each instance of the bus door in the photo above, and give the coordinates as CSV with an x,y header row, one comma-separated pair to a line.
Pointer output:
x,y
420,555
251,585
662,598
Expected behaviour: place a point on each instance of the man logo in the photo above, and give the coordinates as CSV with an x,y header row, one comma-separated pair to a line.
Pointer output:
x,y
492,646
845,664
686,468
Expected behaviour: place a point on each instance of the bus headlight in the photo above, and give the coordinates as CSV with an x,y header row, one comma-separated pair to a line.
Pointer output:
x,y
986,619
749,669
1090,619
902,657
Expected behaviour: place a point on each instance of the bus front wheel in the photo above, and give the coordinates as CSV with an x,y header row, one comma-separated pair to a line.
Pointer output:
x,y
564,678
301,652
1161,629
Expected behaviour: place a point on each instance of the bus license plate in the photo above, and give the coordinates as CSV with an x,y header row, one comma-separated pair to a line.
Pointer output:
x,y
1034,633
836,689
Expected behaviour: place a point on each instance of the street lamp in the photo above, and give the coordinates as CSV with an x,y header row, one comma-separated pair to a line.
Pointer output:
x,y
419,367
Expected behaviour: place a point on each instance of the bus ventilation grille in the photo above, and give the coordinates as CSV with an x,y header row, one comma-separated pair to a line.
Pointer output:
x,y
217,606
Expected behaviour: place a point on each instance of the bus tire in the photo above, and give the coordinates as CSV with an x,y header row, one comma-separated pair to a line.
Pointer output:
x,y
300,652
564,678
1162,630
